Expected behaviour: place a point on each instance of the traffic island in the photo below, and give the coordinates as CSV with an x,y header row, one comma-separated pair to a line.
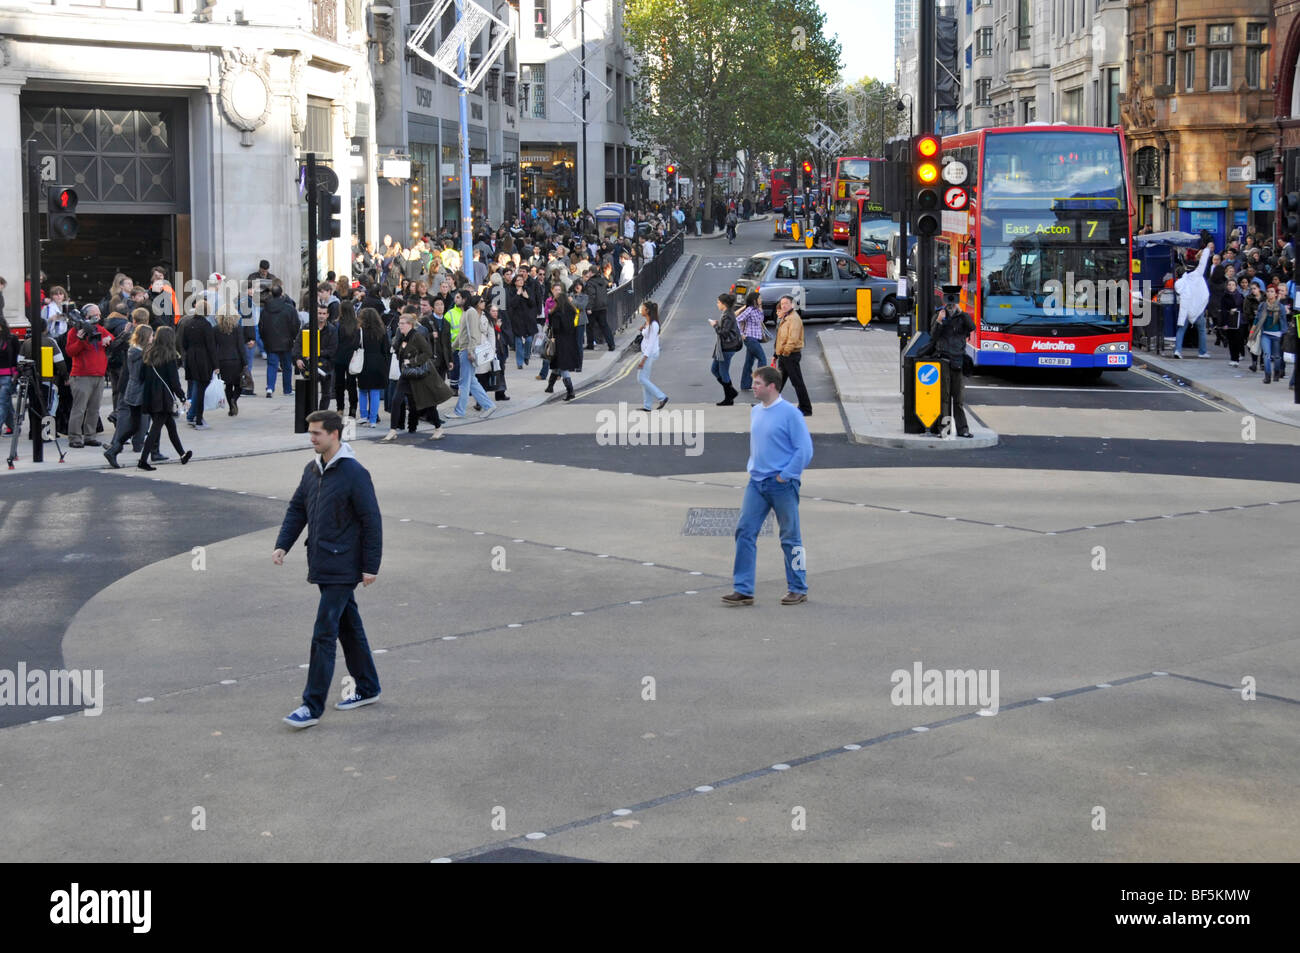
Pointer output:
x,y
864,366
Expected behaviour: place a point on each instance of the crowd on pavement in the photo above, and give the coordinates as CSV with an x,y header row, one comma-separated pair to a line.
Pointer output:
x,y
408,331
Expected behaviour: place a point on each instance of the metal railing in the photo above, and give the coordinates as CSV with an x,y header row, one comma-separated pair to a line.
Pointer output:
x,y
624,300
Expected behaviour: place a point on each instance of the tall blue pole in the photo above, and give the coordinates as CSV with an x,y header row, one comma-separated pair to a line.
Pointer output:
x,y
466,220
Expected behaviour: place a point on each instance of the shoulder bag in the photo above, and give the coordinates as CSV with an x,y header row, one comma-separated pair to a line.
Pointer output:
x,y
394,367
177,404
358,359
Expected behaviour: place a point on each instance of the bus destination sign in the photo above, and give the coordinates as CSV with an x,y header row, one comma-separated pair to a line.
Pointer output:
x,y
1051,227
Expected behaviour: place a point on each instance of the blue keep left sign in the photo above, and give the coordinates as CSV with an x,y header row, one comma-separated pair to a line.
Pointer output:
x,y
927,374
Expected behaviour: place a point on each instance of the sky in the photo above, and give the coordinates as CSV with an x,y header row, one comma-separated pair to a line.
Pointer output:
x,y
866,32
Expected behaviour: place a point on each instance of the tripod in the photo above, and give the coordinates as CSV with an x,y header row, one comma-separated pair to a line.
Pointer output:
x,y
30,402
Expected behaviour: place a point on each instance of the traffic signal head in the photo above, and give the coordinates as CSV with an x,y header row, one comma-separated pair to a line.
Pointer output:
x,y
925,166
328,207
61,209
671,170
1291,212
807,167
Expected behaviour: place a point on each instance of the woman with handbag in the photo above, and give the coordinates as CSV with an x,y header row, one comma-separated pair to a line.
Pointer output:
x,y
420,387
372,378
648,339
485,357
1269,320
469,350
345,380
523,322
232,359
1253,300
161,395
566,344
755,333
502,333
727,342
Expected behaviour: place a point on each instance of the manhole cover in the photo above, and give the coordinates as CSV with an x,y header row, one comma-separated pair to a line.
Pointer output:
x,y
719,521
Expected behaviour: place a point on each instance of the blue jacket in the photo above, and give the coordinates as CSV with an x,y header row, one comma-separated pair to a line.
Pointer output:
x,y
338,507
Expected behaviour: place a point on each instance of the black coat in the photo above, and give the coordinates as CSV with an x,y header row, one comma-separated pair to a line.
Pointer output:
x,y
347,344
521,313
279,324
598,292
568,349
231,352
198,344
374,370
950,336
159,382
338,508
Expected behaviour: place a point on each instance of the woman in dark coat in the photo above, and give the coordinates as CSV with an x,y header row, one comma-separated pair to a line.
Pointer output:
x,y
373,379
521,313
343,381
160,382
198,345
232,359
568,349
416,392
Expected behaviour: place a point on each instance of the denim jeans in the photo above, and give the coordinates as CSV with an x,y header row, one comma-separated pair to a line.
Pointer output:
x,y
6,400
197,388
283,363
754,356
1199,324
469,385
1270,353
523,348
760,497
722,369
370,404
338,619
649,392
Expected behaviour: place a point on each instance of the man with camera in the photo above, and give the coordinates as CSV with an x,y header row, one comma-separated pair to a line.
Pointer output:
x,y
949,331
88,348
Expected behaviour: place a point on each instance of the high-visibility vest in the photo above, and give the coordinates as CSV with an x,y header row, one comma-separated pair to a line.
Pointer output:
x,y
453,318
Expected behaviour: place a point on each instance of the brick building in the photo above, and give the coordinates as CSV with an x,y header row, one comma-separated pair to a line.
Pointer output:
x,y
1199,103
1286,30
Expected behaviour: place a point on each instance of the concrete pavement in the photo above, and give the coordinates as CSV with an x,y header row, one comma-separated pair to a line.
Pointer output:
x,y
1236,385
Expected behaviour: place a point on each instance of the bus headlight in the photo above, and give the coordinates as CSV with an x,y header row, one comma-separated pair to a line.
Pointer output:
x,y
1112,348
996,346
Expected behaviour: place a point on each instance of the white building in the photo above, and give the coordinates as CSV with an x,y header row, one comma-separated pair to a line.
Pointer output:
x,y
181,124
552,161
1044,60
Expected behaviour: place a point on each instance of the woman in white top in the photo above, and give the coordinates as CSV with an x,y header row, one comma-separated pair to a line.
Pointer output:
x,y
55,323
649,351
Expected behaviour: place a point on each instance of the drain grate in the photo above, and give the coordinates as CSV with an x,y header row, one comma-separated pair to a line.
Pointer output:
x,y
719,521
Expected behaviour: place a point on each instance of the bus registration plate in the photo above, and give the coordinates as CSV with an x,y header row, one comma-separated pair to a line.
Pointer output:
x,y
1055,361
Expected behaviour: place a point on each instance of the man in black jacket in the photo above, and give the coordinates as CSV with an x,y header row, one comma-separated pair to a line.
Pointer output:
x,y
951,327
335,501
597,325
328,336
279,326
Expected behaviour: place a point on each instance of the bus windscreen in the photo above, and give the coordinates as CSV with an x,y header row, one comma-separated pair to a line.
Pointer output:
x,y
1053,170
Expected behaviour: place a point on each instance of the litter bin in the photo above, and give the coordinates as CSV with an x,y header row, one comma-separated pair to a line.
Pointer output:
x,y
925,385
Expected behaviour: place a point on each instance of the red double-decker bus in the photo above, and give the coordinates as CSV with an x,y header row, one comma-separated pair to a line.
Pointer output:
x,y
852,184
1043,254
781,187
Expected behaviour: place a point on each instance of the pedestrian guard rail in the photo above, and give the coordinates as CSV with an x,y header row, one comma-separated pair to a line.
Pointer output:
x,y
625,299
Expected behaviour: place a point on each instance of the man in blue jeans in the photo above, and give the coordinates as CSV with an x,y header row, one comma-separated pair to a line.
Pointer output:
x,y
335,502
779,450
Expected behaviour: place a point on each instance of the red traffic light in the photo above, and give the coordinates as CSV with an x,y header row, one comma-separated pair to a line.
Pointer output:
x,y
65,200
807,168
927,147
671,170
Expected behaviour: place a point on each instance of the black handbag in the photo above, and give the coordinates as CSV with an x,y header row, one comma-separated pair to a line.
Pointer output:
x,y
636,341
418,371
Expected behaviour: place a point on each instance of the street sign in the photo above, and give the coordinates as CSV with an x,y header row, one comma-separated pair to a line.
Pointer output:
x,y
955,172
1263,198
956,198
1237,173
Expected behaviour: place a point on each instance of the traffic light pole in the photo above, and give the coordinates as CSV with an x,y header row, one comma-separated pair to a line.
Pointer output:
x,y
925,94
37,332
313,334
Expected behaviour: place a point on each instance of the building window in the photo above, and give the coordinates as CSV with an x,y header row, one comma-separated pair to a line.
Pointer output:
x,y
1171,69
982,92
1189,36
1254,32
1171,40
1254,59
1112,97
492,80
541,18
968,119
1220,68
1024,27
532,78
1220,33
1189,71
1072,105
1029,111
984,41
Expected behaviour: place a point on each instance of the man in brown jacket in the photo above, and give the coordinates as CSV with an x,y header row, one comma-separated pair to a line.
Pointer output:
x,y
789,351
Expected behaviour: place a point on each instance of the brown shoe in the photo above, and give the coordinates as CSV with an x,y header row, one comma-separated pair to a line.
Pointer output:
x,y
794,598
737,599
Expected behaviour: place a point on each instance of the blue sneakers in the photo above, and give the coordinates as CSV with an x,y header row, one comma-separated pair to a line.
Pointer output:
x,y
301,718
356,701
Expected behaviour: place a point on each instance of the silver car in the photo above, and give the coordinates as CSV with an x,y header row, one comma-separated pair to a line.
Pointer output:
x,y
823,282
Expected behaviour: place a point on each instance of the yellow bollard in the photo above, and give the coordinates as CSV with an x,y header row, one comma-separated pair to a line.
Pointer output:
x,y
47,362
864,306
794,230
306,342
807,240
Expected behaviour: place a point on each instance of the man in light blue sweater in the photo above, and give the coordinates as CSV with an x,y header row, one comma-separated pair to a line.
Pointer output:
x,y
779,449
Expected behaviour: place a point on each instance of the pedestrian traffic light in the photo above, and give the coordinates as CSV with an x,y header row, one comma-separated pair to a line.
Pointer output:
x,y
328,207
1291,213
61,209
925,163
